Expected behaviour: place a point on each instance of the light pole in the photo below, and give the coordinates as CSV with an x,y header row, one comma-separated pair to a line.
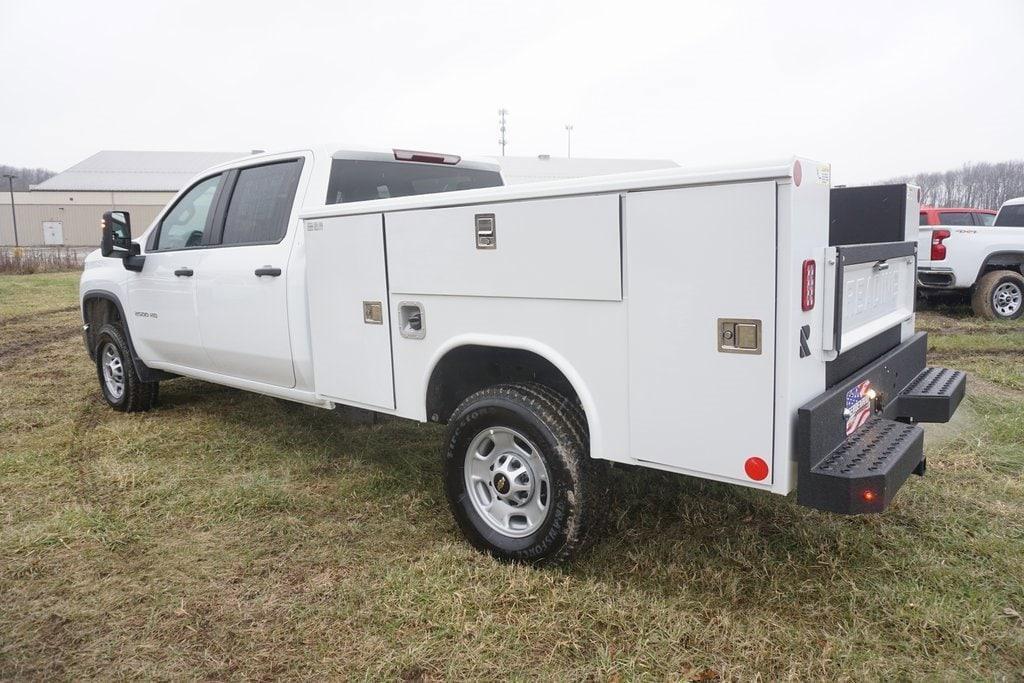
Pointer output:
x,y
568,140
502,127
14,217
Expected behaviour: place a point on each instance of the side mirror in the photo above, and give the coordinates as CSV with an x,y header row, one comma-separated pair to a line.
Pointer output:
x,y
117,234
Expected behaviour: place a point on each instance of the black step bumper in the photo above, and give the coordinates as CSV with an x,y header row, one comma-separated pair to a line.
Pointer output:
x,y
861,472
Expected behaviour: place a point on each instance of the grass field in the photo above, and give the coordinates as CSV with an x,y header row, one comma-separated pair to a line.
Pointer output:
x,y
224,535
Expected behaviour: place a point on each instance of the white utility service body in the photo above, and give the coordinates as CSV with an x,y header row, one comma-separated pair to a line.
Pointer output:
x,y
703,320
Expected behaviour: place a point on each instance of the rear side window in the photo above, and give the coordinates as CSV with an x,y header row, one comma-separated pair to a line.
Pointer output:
x,y
984,218
1011,216
261,203
924,218
955,218
183,226
354,180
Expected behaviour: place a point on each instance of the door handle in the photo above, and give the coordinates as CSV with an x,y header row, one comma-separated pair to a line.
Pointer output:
x,y
184,272
267,270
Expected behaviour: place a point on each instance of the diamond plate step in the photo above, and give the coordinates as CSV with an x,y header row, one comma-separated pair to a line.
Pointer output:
x,y
932,396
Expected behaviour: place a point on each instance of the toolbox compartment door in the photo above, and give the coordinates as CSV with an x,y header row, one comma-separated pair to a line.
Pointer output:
x,y
349,319
696,257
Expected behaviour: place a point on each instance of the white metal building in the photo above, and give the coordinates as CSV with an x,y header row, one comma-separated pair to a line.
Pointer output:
x,y
65,210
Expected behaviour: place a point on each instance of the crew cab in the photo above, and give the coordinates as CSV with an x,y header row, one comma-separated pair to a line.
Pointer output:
x,y
972,250
747,324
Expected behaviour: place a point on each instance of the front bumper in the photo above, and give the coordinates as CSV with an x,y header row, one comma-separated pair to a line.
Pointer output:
x,y
861,472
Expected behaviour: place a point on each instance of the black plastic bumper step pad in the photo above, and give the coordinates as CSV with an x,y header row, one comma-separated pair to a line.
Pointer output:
x,y
932,396
866,470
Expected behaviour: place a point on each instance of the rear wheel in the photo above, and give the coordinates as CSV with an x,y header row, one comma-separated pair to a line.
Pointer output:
x,y
999,295
519,477
120,384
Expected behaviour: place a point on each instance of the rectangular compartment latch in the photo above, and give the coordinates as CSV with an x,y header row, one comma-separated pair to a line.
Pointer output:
x,y
739,335
373,314
486,231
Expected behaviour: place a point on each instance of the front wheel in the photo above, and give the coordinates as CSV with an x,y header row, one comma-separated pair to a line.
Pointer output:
x,y
518,474
999,295
122,389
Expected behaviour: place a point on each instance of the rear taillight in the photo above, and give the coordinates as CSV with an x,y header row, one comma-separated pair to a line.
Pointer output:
x,y
938,248
807,285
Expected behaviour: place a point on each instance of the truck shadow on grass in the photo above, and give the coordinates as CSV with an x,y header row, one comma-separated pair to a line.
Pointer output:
x,y
659,523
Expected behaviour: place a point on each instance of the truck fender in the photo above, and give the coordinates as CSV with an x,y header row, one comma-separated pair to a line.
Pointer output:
x,y
541,349
145,373
1007,258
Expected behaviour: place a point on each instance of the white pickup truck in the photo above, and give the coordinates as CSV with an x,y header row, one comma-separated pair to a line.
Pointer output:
x,y
720,323
985,259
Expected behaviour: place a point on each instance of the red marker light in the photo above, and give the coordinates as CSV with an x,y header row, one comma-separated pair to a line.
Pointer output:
x,y
756,468
798,173
868,495
807,285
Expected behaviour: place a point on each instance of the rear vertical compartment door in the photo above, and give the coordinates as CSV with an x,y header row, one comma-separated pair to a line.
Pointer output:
x,y
695,256
346,278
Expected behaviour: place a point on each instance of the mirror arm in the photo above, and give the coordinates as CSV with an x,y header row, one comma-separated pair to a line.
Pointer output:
x,y
133,260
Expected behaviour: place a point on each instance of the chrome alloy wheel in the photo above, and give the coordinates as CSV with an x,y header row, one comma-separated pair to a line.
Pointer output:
x,y
507,481
1006,299
113,371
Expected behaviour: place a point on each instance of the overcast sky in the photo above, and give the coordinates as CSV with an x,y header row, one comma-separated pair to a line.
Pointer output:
x,y
875,88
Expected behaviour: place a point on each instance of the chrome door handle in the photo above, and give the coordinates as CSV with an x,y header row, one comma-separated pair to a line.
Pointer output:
x,y
184,272
267,270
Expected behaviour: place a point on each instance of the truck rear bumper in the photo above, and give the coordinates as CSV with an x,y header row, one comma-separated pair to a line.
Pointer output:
x,y
858,442
936,278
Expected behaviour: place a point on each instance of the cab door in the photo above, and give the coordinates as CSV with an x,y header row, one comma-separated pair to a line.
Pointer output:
x,y
242,279
161,297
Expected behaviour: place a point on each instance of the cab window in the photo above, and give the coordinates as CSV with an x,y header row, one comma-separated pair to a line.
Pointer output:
x,y
955,218
184,224
1011,215
984,218
261,203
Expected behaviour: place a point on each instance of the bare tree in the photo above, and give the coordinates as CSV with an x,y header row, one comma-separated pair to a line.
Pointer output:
x,y
980,185
26,176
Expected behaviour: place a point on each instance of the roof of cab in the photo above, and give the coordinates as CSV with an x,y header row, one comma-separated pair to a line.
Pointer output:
x,y
1011,202
956,209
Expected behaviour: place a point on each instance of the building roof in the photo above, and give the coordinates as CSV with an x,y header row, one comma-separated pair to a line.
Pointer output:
x,y
545,167
112,170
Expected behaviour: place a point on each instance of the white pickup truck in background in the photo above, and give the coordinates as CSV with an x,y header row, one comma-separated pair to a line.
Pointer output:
x,y
748,325
985,260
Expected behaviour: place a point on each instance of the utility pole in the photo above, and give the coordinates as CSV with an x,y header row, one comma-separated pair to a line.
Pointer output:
x,y
568,141
502,113
14,217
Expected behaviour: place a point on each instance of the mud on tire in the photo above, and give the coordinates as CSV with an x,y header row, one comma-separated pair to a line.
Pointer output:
x,y
999,295
551,434
119,383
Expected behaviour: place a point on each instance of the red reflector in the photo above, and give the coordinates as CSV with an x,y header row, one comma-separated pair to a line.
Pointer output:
x,y
868,495
756,468
807,285
426,157
938,248
798,173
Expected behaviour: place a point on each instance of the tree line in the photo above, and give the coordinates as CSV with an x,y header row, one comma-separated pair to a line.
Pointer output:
x,y
981,185
25,177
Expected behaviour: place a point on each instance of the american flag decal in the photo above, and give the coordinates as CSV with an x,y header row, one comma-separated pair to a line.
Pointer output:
x,y
858,407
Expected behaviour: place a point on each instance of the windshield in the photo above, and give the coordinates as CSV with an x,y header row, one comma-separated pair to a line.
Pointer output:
x,y
355,180
1011,215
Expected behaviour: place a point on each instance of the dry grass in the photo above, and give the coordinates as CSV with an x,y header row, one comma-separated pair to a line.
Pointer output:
x,y
22,261
223,535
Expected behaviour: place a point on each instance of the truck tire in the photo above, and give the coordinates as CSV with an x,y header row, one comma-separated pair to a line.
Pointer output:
x,y
519,477
120,384
999,295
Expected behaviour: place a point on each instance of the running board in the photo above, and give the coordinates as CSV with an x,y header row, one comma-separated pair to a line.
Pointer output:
x,y
932,396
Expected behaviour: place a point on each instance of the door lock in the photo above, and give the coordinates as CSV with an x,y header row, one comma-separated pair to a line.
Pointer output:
x,y
739,335
486,231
